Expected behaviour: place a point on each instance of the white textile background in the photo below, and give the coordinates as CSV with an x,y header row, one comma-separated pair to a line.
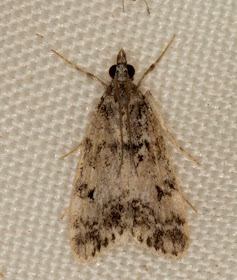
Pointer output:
x,y
45,107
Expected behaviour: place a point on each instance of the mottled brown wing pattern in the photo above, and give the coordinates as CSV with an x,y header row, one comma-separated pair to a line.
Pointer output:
x,y
97,211
159,217
142,200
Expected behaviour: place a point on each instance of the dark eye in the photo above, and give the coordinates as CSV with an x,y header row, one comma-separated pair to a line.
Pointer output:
x,y
112,71
131,71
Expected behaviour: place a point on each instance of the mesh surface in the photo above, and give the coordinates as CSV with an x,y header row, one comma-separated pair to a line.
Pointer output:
x,y
45,107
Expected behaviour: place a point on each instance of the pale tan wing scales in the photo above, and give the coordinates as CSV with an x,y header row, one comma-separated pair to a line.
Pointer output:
x,y
143,199
97,210
156,204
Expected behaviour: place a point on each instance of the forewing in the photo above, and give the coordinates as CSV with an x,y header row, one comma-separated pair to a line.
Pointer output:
x,y
156,205
97,213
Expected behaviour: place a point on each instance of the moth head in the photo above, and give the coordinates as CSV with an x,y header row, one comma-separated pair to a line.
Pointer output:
x,y
122,70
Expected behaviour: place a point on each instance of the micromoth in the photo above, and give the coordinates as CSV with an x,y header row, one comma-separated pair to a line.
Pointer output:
x,y
125,185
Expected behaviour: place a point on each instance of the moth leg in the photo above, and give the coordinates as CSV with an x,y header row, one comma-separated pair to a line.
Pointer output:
x,y
189,203
65,213
150,98
147,7
73,150
123,5
153,65
93,77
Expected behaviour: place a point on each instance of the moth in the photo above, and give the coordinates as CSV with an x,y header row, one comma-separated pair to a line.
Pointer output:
x,y
125,185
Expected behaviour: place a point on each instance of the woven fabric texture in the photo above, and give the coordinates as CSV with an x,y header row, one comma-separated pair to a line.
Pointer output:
x,y
46,106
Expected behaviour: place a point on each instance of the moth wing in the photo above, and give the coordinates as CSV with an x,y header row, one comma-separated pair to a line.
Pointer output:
x,y
97,213
156,204
143,200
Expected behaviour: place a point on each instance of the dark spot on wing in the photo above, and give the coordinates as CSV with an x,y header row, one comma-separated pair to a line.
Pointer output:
x,y
91,194
149,242
174,253
100,146
139,238
81,188
106,111
142,213
178,238
179,221
105,242
163,250
88,144
140,157
114,147
158,239
141,109
83,192
147,144
169,184
92,237
160,193
113,236
135,147
112,214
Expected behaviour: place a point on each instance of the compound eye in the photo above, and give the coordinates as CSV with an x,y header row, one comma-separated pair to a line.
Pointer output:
x,y
131,71
112,71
